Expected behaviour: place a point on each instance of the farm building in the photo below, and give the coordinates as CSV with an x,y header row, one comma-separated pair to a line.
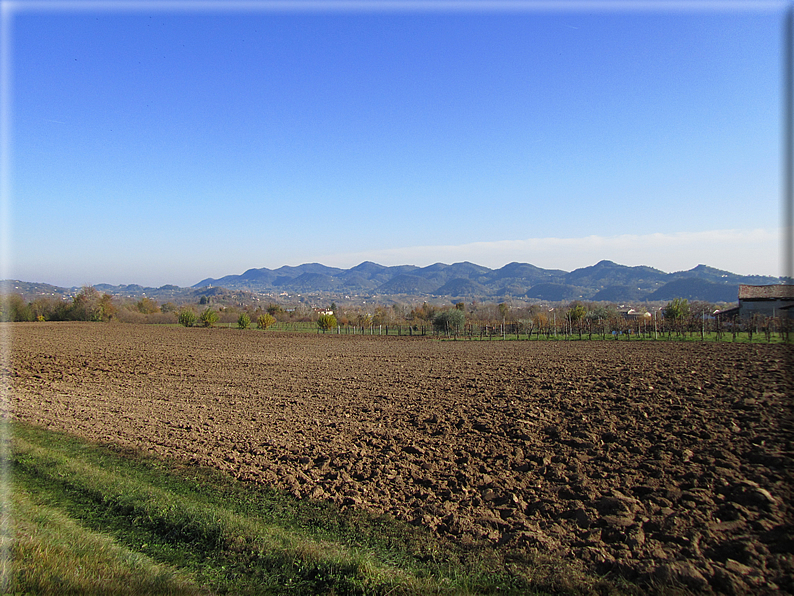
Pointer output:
x,y
772,300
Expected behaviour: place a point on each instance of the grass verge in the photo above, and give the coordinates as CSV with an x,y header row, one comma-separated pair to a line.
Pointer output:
x,y
94,519
52,554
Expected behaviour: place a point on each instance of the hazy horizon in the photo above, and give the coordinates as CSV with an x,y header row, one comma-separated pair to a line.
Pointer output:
x,y
164,144
344,268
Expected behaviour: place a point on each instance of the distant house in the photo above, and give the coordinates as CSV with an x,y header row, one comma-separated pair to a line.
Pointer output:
x,y
771,301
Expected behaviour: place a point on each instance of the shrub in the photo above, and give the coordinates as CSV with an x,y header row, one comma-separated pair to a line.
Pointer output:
x,y
676,310
449,321
169,307
14,308
208,317
326,322
265,321
86,305
187,317
147,306
244,321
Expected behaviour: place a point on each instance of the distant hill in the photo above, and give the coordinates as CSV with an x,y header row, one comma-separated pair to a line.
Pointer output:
x,y
555,292
407,284
619,293
461,286
605,281
722,277
32,290
608,273
694,288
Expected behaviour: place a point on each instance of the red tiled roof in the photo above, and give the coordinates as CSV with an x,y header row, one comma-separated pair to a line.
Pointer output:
x,y
778,291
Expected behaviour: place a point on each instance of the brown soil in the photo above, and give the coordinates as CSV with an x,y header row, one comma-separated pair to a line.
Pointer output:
x,y
658,461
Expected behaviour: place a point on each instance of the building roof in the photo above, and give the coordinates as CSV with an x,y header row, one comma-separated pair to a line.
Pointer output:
x,y
773,292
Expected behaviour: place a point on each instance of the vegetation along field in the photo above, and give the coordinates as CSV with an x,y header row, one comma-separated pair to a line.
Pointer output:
x,y
659,464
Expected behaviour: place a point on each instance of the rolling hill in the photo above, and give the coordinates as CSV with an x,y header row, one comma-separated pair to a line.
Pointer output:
x,y
604,281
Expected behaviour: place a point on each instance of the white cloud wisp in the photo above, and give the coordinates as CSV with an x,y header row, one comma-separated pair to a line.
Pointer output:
x,y
747,252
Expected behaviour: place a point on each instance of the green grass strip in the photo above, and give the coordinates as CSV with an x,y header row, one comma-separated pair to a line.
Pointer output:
x,y
139,524
54,555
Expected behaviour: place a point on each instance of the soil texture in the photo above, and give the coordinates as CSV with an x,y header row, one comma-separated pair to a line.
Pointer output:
x,y
668,463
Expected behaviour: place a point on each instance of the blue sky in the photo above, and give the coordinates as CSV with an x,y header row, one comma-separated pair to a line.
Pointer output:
x,y
158,146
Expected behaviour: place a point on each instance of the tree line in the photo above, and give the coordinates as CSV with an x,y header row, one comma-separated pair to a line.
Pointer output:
x,y
678,317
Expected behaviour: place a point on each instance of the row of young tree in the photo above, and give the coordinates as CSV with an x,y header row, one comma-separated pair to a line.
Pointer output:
x,y
208,317
678,318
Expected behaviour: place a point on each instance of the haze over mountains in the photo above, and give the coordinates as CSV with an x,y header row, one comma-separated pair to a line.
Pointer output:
x,y
604,281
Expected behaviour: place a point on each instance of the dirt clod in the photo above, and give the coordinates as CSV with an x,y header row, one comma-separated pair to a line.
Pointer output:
x,y
665,462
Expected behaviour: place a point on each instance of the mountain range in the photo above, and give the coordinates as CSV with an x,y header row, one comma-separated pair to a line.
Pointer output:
x,y
604,281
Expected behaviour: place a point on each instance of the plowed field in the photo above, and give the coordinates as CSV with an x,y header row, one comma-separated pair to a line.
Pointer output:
x,y
658,461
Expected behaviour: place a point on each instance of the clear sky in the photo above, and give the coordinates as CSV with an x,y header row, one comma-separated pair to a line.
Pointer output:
x,y
158,146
